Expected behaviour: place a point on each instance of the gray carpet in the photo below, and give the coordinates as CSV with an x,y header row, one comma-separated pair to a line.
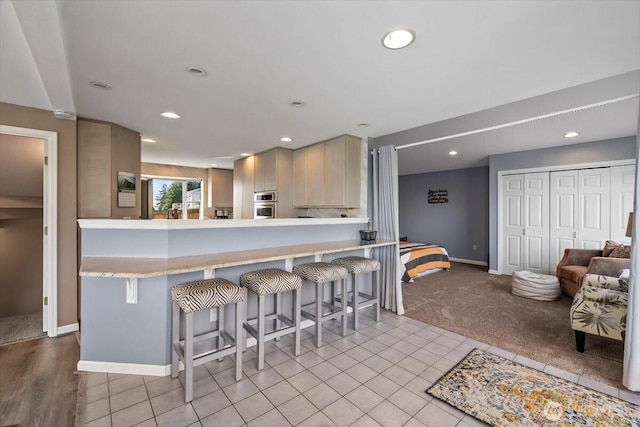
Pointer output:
x,y
19,328
469,301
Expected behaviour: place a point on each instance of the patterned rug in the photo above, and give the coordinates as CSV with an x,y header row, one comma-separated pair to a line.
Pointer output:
x,y
504,393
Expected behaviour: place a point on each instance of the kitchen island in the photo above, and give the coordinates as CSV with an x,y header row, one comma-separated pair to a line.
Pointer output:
x,y
129,266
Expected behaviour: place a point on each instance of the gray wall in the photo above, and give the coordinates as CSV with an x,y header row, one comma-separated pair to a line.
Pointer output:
x,y
457,225
590,152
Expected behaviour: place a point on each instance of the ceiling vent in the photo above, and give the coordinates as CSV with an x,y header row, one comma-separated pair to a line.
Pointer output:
x,y
61,114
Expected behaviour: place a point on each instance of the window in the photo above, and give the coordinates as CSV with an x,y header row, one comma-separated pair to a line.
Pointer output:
x,y
170,195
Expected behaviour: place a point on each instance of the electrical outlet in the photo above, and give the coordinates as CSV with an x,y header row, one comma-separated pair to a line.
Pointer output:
x,y
474,247
213,314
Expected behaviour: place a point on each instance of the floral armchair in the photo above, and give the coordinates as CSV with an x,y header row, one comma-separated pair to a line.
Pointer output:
x,y
600,308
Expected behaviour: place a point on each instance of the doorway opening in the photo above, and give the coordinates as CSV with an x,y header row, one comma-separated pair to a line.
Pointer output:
x,y
28,233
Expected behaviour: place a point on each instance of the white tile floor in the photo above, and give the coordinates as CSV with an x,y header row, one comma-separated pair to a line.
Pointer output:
x,y
375,377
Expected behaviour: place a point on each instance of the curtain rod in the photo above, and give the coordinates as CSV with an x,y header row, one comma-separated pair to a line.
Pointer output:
x,y
519,122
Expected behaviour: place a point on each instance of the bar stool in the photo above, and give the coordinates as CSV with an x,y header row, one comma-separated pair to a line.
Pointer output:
x,y
321,273
360,265
203,295
269,282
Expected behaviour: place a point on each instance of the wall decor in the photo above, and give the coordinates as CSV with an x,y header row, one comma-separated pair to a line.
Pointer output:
x,y
126,190
438,196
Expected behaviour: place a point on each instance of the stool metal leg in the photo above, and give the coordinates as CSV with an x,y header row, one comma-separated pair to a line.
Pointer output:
x,y
260,332
175,339
355,302
344,306
319,300
278,311
376,290
188,357
220,329
239,339
296,319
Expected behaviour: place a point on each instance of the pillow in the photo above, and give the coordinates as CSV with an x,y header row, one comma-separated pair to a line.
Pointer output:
x,y
622,251
609,246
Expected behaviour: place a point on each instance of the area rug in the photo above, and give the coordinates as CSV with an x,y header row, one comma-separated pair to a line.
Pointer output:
x,y
19,328
504,393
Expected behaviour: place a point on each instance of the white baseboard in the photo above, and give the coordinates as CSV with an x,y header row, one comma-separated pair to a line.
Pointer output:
x,y
469,261
67,329
124,368
494,272
155,370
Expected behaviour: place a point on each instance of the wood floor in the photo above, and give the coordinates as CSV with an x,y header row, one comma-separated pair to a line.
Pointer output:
x,y
38,386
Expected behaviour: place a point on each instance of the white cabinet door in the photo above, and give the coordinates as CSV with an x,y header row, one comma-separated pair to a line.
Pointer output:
x,y
595,210
536,222
563,218
513,227
622,191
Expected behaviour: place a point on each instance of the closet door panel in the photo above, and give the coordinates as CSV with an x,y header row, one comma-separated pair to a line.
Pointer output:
x,y
622,191
536,222
563,214
513,223
594,224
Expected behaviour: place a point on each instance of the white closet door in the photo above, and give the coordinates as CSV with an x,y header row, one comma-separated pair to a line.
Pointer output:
x,y
513,226
622,190
536,222
595,210
563,218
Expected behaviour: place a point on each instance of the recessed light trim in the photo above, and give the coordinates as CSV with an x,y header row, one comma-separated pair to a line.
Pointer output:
x,y
245,154
297,104
174,163
571,134
363,125
286,139
196,71
453,153
170,115
214,164
398,39
100,85
149,140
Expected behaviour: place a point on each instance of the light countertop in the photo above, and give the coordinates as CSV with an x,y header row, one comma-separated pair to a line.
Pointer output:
x,y
153,267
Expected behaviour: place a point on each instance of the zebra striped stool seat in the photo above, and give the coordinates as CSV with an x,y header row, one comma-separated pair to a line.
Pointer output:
x,y
266,282
361,265
200,295
321,273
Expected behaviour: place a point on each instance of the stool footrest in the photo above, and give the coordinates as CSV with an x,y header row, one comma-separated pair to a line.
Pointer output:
x,y
206,353
364,299
333,313
268,336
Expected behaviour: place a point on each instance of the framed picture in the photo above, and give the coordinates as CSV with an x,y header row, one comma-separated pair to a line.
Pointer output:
x,y
126,190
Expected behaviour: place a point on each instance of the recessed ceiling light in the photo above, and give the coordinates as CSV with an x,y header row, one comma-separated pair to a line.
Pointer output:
x,y
363,125
297,104
196,71
174,163
100,85
245,154
214,164
398,39
149,140
453,153
170,115
571,134
286,139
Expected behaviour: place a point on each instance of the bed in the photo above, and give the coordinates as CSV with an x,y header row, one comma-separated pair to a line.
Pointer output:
x,y
419,259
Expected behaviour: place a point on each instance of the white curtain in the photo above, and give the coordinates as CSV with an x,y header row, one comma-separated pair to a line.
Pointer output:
x,y
631,371
385,220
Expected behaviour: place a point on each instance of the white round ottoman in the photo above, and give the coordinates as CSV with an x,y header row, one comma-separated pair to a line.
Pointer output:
x,y
541,287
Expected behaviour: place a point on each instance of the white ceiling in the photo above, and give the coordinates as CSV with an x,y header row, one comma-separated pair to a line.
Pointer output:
x,y
468,57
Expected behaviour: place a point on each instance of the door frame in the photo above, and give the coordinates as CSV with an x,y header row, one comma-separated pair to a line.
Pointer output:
x,y
49,220
603,164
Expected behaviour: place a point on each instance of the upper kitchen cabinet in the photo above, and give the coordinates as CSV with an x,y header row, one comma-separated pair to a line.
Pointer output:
x,y
104,149
267,171
328,174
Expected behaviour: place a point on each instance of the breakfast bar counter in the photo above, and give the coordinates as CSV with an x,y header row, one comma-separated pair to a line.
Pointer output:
x,y
129,266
